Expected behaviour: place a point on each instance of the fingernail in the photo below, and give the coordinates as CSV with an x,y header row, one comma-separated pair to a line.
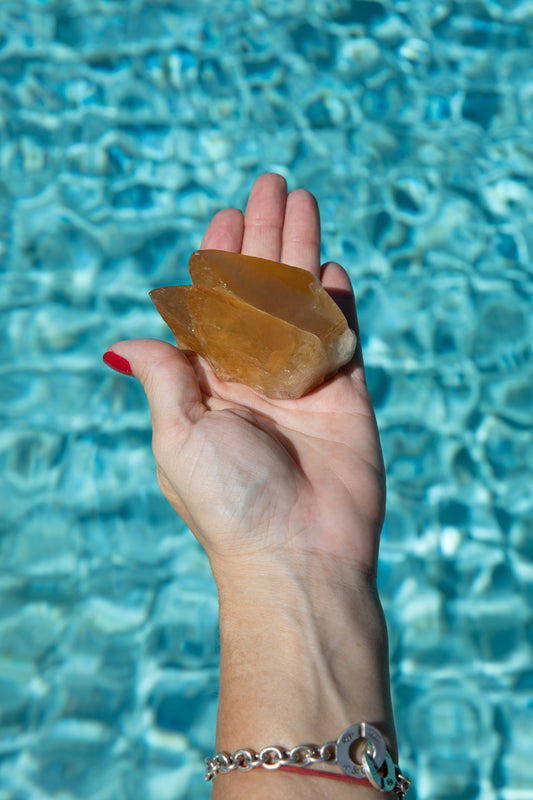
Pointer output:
x,y
117,363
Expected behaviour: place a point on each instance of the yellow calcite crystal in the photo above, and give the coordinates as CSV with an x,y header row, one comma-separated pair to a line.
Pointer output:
x,y
258,322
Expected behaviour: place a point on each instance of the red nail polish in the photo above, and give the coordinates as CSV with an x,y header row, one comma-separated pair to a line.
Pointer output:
x,y
117,363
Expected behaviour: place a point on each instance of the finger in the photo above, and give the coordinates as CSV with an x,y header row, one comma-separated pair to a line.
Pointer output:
x,y
301,232
169,382
264,217
338,285
225,231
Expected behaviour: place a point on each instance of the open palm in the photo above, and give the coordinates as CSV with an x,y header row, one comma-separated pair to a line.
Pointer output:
x,y
253,476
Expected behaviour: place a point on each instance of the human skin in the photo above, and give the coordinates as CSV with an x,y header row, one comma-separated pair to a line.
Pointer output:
x,y
287,497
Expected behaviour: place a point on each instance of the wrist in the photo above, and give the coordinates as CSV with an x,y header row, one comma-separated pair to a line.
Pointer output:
x,y
302,658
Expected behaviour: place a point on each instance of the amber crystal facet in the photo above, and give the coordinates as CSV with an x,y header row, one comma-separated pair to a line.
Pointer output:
x,y
260,322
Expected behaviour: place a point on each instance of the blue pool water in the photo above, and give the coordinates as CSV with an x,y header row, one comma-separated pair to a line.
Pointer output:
x,y
124,126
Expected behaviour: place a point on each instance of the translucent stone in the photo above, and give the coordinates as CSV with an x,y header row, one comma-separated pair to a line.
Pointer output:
x,y
259,322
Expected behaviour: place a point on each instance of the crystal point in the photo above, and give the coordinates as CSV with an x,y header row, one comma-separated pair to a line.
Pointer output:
x,y
259,322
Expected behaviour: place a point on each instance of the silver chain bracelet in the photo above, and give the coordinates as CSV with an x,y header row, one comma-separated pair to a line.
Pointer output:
x,y
377,766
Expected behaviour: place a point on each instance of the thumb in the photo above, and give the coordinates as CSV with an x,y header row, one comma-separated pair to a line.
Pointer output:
x,y
167,377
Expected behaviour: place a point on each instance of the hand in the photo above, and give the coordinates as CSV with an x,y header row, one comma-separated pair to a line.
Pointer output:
x,y
287,498
256,478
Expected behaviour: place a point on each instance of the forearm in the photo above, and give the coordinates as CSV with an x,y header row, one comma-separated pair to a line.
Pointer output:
x,y
301,661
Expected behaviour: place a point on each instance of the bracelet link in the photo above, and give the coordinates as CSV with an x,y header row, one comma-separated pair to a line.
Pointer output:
x,y
403,784
273,757
245,759
386,782
304,754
